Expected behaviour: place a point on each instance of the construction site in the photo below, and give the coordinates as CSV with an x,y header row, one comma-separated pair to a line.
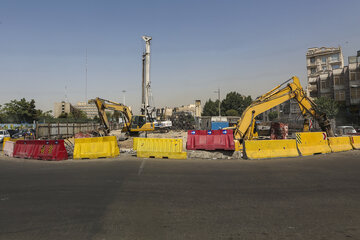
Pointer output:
x,y
181,136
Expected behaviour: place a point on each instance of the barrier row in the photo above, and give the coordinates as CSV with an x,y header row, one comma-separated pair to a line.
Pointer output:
x,y
305,144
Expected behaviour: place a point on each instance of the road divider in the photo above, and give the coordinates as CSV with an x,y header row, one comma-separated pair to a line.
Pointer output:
x,y
340,144
160,148
258,149
355,142
310,143
97,147
9,148
41,149
210,140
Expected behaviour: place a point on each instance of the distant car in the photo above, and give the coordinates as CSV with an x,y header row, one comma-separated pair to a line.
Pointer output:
x,y
3,134
12,132
345,130
25,133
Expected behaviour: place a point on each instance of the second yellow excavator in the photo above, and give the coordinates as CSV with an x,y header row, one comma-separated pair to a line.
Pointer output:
x,y
245,128
134,124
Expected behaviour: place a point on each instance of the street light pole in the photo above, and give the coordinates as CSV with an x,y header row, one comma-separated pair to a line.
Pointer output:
x,y
123,91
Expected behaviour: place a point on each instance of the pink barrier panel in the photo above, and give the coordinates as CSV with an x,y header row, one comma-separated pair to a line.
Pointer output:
x,y
9,148
41,149
210,140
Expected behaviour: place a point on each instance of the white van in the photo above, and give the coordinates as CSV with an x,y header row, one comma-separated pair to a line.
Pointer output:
x,y
3,133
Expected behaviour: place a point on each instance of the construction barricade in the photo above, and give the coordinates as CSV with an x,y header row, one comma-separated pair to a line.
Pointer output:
x,y
355,142
97,147
340,144
258,149
9,148
41,149
4,141
135,143
310,143
160,148
210,140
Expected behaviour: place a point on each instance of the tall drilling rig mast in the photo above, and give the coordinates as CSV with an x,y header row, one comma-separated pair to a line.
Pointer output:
x,y
146,109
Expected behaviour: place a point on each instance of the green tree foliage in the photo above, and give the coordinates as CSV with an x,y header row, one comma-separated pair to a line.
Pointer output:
x,y
235,101
328,106
273,115
21,111
233,105
211,108
232,112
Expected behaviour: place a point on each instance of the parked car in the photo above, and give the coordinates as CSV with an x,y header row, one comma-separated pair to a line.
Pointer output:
x,y
345,130
3,134
26,133
12,132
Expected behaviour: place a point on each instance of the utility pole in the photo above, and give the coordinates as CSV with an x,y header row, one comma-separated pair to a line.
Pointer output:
x,y
146,77
218,92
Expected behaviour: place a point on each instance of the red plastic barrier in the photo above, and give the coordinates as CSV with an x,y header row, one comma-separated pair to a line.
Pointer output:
x,y
41,149
210,140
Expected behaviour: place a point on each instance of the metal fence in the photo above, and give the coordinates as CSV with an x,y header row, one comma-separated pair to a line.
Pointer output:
x,y
64,130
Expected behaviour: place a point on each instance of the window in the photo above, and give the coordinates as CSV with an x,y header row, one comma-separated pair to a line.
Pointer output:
x,y
336,66
323,59
324,84
335,57
313,70
355,93
352,76
324,68
340,95
312,60
339,80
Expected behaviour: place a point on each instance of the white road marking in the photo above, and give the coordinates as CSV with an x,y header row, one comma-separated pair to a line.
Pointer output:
x,y
141,168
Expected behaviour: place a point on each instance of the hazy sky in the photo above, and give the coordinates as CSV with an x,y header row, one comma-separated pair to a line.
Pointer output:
x,y
197,46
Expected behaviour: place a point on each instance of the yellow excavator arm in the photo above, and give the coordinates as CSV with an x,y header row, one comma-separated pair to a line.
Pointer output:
x,y
245,127
132,123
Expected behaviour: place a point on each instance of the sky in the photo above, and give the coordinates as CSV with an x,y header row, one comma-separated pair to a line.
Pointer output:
x,y
197,47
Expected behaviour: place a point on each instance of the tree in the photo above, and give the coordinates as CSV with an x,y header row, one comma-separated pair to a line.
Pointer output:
x,y
235,101
328,106
20,111
211,108
232,112
273,115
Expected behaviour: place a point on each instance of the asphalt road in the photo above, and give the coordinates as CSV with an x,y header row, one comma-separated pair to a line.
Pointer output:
x,y
316,197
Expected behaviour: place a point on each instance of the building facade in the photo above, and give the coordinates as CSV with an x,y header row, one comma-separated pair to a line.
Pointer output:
x,y
320,63
89,109
62,108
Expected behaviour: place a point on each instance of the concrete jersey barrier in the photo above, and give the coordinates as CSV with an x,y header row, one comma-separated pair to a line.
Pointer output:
x,y
355,142
258,149
340,144
310,143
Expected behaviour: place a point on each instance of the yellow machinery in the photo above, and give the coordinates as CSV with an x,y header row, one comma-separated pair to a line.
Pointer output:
x,y
134,124
245,128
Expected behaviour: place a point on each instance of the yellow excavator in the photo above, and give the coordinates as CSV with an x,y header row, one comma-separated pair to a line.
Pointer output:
x,y
245,127
134,124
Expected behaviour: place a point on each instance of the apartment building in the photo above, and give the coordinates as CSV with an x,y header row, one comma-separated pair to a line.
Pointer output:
x,y
62,108
89,109
320,64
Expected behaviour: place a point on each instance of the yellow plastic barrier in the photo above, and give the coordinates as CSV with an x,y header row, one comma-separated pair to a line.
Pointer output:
x,y
258,149
10,139
160,148
310,143
4,141
135,143
355,142
340,144
96,147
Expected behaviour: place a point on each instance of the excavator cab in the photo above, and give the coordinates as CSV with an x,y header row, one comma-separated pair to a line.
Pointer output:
x,y
137,122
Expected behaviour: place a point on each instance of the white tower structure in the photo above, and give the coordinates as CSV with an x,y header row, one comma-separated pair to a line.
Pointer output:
x,y
146,109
